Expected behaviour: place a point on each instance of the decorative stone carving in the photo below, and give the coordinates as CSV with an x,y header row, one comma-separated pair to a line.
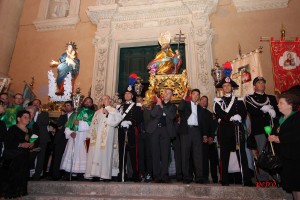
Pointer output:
x,y
57,14
253,5
105,2
101,44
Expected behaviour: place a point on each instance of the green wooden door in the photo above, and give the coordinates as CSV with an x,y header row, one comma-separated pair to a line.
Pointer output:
x,y
136,59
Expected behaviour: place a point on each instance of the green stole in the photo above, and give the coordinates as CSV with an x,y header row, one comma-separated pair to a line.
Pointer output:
x,y
83,114
10,115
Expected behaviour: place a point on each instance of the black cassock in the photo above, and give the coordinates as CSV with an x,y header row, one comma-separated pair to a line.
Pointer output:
x,y
225,108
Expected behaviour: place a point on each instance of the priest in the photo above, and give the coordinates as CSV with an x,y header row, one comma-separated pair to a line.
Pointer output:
x,y
77,127
103,141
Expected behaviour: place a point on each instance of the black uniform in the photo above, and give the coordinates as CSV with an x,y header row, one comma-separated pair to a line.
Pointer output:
x,y
259,119
134,116
225,108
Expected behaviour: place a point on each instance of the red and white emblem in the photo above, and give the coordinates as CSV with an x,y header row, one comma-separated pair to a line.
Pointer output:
x,y
227,80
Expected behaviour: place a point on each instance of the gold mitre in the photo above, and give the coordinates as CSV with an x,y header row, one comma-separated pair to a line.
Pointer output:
x,y
165,38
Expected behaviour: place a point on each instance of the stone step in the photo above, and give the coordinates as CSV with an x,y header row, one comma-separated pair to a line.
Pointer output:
x,y
53,190
95,197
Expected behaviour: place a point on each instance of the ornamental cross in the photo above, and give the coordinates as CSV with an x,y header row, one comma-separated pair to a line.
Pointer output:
x,y
179,38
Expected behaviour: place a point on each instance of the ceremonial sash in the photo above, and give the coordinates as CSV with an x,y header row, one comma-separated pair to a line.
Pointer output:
x,y
127,110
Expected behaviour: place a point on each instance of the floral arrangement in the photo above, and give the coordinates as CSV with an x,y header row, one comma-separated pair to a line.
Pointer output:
x,y
53,87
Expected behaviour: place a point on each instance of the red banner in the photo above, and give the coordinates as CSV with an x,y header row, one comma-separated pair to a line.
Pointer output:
x,y
286,63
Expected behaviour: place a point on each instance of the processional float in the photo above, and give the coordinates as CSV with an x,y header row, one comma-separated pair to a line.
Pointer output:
x,y
163,70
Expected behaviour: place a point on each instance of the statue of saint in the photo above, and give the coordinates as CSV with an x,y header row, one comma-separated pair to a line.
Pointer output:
x,y
60,9
67,63
165,61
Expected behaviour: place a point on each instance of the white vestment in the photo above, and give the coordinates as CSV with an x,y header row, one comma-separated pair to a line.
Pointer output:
x,y
103,136
80,154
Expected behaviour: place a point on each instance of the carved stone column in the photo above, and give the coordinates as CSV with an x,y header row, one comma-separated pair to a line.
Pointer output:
x,y
202,36
101,43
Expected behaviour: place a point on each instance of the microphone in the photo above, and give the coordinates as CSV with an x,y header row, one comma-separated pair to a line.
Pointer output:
x,y
103,106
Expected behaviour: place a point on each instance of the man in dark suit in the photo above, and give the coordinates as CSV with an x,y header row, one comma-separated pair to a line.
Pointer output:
x,y
210,151
193,132
162,129
42,119
60,140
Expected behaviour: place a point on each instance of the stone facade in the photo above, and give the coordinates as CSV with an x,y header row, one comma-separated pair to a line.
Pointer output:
x,y
131,23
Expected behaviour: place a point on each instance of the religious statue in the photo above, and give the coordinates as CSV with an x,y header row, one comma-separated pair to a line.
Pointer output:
x,y
165,61
60,9
67,63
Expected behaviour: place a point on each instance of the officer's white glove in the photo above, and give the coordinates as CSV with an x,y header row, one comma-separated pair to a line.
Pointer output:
x,y
266,108
272,113
126,124
236,118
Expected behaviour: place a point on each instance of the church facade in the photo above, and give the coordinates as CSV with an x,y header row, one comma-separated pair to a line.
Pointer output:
x,y
213,29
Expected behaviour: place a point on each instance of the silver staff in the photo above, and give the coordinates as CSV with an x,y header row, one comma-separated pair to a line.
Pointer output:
x,y
238,147
124,152
76,103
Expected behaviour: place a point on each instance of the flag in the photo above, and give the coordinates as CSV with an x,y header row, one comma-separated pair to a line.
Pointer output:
x,y
28,94
286,63
244,70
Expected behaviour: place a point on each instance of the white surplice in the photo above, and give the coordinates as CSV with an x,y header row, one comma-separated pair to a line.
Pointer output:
x,y
103,136
80,154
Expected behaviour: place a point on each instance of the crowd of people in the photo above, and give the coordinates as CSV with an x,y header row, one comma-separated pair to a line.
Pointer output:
x,y
133,141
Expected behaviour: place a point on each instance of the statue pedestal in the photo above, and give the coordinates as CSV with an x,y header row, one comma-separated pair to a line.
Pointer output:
x,y
158,83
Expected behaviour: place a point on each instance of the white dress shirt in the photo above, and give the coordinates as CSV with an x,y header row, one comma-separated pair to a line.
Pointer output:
x,y
193,119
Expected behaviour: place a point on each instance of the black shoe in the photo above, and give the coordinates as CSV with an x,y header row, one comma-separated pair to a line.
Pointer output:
x,y
225,184
35,178
156,180
80,177
215,180
179,179
201,181
165,181
95,179
187,181
249,184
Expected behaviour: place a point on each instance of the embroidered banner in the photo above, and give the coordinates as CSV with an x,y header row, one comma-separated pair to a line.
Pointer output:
x,y
286,63
244,70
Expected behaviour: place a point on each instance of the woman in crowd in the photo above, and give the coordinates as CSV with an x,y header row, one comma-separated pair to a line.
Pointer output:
x,y
16,155
288,137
